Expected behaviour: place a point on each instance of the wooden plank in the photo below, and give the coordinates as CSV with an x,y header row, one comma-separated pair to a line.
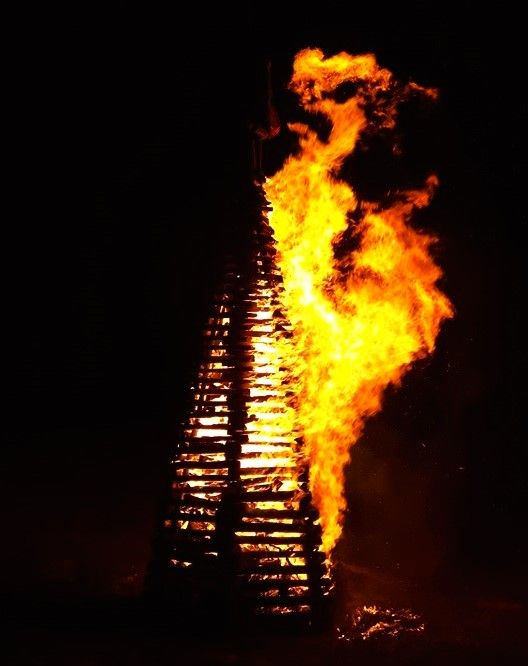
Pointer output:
x,y
246,334
285,471
275,584
188,500
263,540
273,527
274,569
273,496
206,440
199,464
226,374
274,513
185,478
203,447
207,426
293,613
252,556
179,490
208,411
277,449
192,517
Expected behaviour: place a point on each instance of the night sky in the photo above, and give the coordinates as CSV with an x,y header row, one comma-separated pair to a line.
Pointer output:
x,y
111,308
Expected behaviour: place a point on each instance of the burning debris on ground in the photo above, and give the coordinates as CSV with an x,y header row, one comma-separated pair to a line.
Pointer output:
x,y
370,622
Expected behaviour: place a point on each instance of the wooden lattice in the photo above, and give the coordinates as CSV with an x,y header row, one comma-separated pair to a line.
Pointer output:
x,y
240,526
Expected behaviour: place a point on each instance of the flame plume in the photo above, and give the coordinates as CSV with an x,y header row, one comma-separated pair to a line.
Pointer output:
x,y
360,320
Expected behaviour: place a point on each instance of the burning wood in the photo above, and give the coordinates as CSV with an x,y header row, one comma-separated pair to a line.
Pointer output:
x,y
372,622
298,351
241,506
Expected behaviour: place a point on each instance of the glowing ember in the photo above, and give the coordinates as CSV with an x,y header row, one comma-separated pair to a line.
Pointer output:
x,y
360,320
373,622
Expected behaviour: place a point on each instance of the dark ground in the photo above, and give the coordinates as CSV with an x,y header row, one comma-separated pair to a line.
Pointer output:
x,y
468,628
108,313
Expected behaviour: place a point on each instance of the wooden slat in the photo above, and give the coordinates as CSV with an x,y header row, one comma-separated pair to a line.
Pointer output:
x,y
277,449
207,440
293,612
184,478
192,517
245,334
282,471
200,446
206,410
226,374
285,540
179,490
196,501
272,527
275,584
272,496
250,556
274,569
208,426
198,464
274,513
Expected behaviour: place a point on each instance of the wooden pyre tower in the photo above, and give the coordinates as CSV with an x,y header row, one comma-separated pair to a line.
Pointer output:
x,y
239,534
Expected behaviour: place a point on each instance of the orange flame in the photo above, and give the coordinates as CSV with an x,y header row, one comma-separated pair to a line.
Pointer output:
x,y
361,320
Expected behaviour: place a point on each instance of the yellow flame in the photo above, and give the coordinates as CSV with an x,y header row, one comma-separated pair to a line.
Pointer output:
x,y
360,320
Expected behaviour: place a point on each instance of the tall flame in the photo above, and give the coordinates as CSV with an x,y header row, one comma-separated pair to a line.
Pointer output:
x,y
360,320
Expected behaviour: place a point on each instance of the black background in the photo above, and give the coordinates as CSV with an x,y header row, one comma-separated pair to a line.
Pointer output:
x,y
112,308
